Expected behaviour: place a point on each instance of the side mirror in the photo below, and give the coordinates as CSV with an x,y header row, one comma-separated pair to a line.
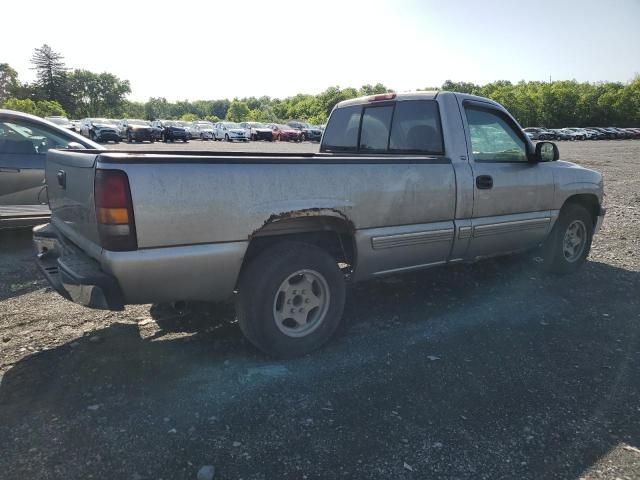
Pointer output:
x,y
75,146
546,152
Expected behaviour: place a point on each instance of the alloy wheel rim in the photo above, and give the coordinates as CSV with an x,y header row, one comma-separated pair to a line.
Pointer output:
x,y
301,303
575,239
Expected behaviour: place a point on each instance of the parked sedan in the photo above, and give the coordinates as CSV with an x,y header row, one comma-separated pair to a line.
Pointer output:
x,y
60,121
202,130
287,133
24,141
168,131
100,130
622,133
135,130
539,133
230,132
635,132
561,134
309,132
258,131
580,133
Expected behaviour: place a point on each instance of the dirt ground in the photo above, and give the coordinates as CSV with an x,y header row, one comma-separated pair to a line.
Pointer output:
x,y
486,371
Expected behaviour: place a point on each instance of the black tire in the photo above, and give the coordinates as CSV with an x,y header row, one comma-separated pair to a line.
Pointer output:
x,y
259,291
303,137
553,250
226,137
129,138
184,140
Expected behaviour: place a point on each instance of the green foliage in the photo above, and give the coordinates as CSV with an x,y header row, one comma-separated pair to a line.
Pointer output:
x,y
96,94
211,118
564,103
21,105
45,108
189,117
42,108
238,111
8,81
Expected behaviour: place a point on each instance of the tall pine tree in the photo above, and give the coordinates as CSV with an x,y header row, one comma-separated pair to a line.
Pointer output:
x,y
51,74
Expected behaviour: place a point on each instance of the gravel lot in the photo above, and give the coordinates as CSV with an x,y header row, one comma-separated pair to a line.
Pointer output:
x,y
493,370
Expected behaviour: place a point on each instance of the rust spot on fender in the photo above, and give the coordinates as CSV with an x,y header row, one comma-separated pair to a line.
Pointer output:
x,y
307,212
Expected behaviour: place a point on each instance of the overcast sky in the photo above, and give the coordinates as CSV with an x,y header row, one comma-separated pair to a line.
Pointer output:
x,y
224,49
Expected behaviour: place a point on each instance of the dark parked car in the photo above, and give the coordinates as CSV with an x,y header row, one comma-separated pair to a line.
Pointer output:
x,y
596,134
24,142
309,132
100,130
133,130
622,133
635,132
168,131
605,133
561,134
535,133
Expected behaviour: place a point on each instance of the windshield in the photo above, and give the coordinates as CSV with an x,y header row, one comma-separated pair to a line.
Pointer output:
x,y
138,122
232,125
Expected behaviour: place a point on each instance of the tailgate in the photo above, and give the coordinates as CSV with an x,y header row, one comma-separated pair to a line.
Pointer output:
x,y
70,187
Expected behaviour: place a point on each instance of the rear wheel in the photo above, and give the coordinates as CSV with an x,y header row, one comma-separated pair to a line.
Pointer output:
x,y
290,299
568,244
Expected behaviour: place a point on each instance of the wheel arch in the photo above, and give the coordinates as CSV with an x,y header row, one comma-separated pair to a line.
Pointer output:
x,y
587,200
326,228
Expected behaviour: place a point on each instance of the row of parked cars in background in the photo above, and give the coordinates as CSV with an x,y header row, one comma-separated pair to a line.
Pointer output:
x,y
587,133
132,130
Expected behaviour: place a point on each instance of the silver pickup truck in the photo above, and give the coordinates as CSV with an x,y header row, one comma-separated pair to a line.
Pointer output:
x,y
402,182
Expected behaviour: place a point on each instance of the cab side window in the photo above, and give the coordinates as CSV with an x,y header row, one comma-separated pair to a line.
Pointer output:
x,y
493,139
416,128
376,123
341,134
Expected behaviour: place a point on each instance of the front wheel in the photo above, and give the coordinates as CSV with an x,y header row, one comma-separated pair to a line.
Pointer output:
x,y
226,137
290,299
568,244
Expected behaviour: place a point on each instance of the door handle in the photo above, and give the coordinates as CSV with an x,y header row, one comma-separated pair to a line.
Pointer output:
x,y
484,182
62,178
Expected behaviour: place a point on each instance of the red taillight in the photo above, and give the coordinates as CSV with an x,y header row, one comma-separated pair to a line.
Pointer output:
x,y
384,96
114,210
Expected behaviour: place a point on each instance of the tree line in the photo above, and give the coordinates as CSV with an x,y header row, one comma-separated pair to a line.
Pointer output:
x,y
78,93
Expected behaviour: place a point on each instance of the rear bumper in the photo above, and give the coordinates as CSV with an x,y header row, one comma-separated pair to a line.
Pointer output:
x,y
73,274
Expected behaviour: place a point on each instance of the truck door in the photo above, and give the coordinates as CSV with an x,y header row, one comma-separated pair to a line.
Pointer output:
x,y
412,187
22,159
512,196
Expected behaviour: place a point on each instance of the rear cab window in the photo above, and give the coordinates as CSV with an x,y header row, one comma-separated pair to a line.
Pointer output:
x,y
405,126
